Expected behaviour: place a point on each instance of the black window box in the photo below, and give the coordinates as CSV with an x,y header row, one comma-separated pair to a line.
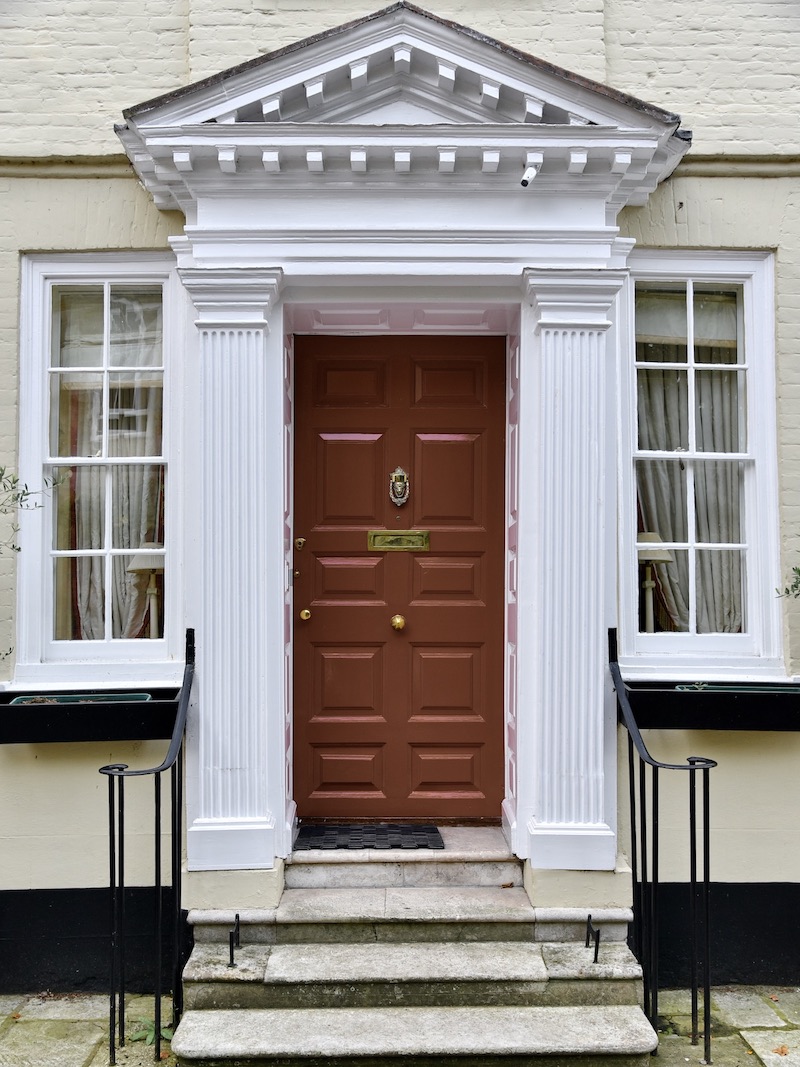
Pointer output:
x,y
715,706
87,715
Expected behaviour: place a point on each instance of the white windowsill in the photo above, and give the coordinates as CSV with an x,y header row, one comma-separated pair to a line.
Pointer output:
x,y
68,676
710,670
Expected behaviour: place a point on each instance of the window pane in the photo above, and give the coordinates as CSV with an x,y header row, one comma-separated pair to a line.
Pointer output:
x,y
134,416
79,598
717,494
663,402
137,602
136,329
718,581
663,590
719,413
661,326
79,508
661,487
76,415
77,326
715,327
137,501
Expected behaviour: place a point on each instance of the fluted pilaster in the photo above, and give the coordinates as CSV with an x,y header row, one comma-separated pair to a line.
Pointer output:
x,y
231,825
570,515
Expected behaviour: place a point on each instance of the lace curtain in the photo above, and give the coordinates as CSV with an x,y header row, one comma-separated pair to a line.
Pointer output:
x,y
107,511
665,486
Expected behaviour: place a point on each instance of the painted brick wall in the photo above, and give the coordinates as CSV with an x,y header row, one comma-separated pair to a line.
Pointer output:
x,y
567,32
729,69
69,69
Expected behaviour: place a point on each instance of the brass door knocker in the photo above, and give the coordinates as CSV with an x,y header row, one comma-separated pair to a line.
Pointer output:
x,y
399,487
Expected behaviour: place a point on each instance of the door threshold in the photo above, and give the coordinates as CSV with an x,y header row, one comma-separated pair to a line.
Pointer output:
x,y
400,820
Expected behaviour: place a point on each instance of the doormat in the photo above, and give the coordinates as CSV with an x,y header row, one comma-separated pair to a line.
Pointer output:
x,y
379,835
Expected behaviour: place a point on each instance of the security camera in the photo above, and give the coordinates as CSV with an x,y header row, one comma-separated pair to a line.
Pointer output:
x,y
528,176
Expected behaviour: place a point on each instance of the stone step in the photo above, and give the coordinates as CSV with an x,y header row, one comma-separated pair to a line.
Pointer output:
x,y
472,856
424,973
455,913
615,1036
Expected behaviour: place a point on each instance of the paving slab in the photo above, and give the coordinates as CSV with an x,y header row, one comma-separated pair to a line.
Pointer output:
x,y
775,1048
784,1001
10,1002
76,1008
744,1008
676,1002
50,1043
675,1051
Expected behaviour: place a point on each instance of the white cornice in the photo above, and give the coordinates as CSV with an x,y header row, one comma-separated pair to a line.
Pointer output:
x,y
181,165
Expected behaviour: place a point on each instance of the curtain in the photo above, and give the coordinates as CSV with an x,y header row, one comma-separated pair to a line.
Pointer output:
x,y
132,424
664,484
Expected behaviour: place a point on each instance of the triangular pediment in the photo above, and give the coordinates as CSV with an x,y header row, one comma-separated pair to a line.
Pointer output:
x,y
359,99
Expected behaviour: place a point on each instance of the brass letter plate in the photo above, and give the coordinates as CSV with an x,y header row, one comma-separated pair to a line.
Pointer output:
x,y
398,540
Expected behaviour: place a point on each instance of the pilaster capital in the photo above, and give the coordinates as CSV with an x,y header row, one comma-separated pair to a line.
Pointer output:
x,y
580,299
232,296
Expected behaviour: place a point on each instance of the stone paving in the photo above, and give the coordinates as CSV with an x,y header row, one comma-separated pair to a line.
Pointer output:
x,y
71,1030
753,1026
750,1025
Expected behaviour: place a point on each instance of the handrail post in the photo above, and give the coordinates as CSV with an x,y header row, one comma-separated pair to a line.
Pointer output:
x,y
707,915
693,896
654,900
114,919
159,914
121,892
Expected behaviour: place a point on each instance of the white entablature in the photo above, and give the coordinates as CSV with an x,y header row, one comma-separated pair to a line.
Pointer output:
x,y
399,100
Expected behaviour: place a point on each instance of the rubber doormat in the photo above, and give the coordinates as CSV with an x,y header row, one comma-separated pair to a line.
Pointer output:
x,y
378,835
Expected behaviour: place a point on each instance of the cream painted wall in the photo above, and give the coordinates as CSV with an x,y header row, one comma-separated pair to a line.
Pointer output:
x,y
54,832
70,69
54,804
755,797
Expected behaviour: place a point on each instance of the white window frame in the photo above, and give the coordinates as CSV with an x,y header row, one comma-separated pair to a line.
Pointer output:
x,y
756,654
41,661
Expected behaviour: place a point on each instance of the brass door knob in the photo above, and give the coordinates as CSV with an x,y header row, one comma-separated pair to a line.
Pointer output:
x,y
398,622
305,614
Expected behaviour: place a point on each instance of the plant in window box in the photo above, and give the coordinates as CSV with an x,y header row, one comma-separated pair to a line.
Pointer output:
x,y
16,496
793,588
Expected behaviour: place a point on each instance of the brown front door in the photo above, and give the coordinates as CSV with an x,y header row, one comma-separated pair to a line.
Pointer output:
x,y
399,723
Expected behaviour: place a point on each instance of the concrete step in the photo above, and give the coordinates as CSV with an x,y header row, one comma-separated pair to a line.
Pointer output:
x,y
472,856
412,974
615,1036
455,913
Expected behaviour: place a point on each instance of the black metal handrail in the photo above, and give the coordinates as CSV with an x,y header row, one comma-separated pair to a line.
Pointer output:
x,y
117,773
645,861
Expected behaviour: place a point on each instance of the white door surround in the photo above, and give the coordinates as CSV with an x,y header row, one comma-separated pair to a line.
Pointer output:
x,y
370,181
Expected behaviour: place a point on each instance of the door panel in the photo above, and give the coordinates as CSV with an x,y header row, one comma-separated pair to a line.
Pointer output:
x,y
399,723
